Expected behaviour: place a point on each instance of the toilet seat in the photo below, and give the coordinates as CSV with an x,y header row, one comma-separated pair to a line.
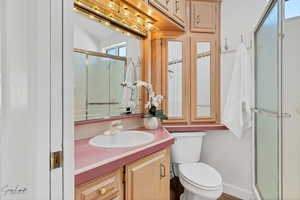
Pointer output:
x,y
201,175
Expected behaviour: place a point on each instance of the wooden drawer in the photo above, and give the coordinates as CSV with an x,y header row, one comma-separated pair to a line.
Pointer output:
x,y
105,188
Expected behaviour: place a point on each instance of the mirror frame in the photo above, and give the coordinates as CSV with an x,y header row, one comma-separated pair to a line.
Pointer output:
x,y
142,96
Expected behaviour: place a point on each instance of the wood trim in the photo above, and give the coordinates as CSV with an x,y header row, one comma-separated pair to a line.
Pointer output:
x,y
156,67
189,128
146,68
131,116
166,34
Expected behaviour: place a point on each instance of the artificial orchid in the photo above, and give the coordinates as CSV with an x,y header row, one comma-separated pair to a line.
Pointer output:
x,y
154,101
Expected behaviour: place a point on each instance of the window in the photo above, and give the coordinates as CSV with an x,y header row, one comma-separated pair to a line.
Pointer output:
x,y
117,50
113,51
292,8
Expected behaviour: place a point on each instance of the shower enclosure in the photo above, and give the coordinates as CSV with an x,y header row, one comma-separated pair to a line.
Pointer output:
x,y
277,102
97,85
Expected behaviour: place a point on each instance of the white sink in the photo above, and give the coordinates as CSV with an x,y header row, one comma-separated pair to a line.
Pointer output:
x,y
122,139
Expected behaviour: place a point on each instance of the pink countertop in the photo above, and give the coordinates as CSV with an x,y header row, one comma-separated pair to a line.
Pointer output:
x,y
92,162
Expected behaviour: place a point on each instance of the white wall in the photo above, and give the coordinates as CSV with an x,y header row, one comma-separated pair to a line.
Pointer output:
x,y
83,39
291,105
230,156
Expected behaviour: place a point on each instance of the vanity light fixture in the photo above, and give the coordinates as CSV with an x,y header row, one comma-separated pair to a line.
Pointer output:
x,y
117,14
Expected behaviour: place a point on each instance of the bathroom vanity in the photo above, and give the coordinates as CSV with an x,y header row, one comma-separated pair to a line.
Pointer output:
x,y
140,172
176,50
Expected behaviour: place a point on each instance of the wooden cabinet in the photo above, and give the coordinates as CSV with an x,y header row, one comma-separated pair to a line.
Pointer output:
x,y
188,75
204,16
178,11
105,188
149,178
174,9
163,5
144,179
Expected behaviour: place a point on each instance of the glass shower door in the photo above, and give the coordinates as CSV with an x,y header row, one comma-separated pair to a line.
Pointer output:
x,y
268,105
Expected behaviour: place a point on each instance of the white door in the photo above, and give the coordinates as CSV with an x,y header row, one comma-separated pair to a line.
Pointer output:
x,y
35,117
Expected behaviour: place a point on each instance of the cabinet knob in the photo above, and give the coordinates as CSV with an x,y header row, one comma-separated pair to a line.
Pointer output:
x,y
102,191
162,171
198,19
177,5
167,2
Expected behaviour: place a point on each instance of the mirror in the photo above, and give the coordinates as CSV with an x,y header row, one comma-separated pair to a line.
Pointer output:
x,y
175,77
203,68
103,59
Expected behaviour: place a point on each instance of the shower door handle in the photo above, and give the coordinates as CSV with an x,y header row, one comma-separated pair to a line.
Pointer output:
x,y
271,113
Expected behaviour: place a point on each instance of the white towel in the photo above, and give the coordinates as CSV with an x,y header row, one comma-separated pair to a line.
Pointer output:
x,y
129,78
237,111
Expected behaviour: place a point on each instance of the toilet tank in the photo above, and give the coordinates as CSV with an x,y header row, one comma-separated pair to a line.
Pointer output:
x,y
187,147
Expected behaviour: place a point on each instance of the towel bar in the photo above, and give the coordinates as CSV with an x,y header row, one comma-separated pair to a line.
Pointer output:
x,y
271,113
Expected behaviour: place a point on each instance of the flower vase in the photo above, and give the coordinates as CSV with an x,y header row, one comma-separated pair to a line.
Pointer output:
x,y
151,123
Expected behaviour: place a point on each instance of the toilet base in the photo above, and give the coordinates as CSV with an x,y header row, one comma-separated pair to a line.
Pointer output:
x,y
187,195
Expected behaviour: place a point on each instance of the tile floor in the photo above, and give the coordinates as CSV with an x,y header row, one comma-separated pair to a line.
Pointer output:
x,y
177,189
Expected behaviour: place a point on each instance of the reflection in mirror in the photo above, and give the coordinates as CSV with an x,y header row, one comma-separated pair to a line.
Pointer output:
x,y
203,79
97,97
175,61
80,85
103,59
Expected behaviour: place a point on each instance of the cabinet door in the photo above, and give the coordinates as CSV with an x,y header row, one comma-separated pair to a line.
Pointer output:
x,y
148,178
162,5
175,81
178,11
204,16
205,89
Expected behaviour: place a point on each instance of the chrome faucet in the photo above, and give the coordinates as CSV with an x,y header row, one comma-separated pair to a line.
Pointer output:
x,y
115,127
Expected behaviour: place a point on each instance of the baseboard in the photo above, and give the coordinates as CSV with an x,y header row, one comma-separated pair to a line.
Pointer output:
x,y
238,192
256,194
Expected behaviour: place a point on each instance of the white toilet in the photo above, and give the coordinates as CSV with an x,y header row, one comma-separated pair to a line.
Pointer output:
x,y
200,181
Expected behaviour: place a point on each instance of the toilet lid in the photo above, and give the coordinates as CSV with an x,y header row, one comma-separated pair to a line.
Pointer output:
x,y
201,174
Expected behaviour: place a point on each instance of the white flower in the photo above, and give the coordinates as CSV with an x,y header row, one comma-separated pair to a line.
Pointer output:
x,y
152,99
156,100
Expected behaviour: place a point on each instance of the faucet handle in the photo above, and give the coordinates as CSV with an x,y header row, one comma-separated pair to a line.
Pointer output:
x,y
116,123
